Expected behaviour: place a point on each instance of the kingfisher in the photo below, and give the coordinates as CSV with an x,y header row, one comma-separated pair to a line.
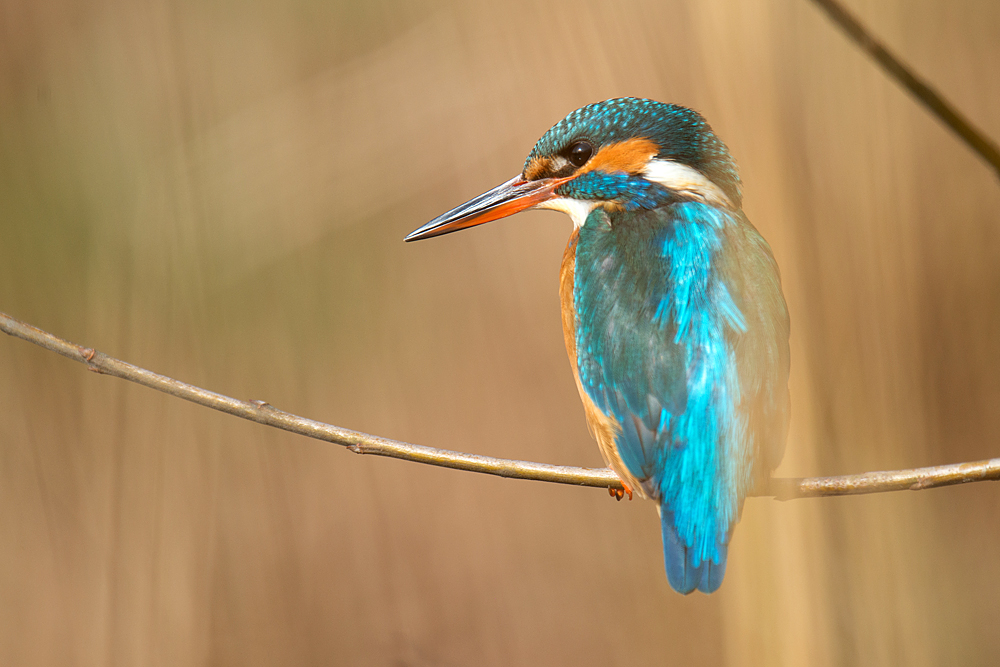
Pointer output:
x,y
672,311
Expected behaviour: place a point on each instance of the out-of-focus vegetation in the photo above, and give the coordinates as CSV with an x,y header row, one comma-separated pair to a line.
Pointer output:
x,y
219,191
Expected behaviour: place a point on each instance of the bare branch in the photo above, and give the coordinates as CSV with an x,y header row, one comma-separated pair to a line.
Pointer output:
x,y
915,479
920,89
362,443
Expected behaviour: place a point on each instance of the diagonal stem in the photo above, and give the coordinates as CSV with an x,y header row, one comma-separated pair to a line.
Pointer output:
x,y
362,443
930,98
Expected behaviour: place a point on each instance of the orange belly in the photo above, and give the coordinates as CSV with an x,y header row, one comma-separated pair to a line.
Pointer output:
x,y
605,428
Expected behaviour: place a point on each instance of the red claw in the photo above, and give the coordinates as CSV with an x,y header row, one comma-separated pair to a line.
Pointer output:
x,y
618,494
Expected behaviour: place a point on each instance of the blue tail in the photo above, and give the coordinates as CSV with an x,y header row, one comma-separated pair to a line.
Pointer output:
x,y
682,573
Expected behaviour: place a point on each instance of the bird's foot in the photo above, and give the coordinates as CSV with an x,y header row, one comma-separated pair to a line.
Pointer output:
x,y
618,494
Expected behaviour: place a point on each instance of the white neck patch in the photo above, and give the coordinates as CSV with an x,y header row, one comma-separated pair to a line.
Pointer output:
x,y
682,178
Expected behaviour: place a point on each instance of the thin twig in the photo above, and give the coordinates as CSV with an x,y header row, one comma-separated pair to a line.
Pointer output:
x,y
362,443
933,100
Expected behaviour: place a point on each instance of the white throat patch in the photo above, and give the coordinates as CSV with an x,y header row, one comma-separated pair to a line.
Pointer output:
x,y
682,178
577,209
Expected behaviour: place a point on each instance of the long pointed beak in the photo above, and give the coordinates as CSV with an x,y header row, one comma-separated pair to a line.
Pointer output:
x,y
512,197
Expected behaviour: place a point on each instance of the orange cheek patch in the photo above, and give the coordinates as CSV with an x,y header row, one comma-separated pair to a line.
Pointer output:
x,y
629,156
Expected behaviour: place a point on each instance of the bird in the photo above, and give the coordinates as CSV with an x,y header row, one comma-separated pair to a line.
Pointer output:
x,y
673,314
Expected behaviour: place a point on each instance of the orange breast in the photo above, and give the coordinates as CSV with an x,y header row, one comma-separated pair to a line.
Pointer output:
x,y
605,428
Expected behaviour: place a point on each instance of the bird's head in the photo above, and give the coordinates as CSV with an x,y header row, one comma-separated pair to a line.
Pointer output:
x,y
620,154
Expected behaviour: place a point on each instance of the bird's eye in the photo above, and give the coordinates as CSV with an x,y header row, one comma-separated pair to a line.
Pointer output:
x,y
579,153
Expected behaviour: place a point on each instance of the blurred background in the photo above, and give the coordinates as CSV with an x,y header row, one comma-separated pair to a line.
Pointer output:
x,y
218,191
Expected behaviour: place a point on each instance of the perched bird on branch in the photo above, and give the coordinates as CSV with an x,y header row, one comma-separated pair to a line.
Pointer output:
x,y
672,310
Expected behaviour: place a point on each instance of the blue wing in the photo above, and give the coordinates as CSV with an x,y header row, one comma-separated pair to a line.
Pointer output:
x,y
682,336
